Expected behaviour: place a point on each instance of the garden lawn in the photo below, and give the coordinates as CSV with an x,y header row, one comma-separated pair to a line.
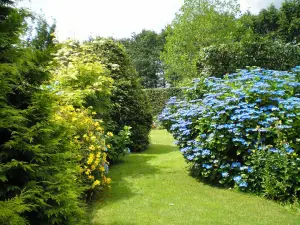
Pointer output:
x,y
154,187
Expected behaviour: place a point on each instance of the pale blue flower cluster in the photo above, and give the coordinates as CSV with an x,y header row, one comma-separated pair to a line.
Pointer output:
x,y
222,121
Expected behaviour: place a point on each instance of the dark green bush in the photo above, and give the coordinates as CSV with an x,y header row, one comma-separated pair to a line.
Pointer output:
x,y
119,144
158,97
130,106
216,60
35,154
37,164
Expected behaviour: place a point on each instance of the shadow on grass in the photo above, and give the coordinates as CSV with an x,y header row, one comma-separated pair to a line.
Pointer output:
x,y
114,223
158,149
133,166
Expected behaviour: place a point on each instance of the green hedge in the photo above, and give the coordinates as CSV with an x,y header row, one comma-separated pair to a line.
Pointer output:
x,y
159,96
129,104
217,60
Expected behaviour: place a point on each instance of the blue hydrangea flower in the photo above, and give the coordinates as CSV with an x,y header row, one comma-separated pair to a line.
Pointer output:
x,y
237,179
243,184
225,174
207,166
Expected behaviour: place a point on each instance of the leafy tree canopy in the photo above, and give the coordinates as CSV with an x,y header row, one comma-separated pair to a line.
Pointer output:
x,y
198,24
144,50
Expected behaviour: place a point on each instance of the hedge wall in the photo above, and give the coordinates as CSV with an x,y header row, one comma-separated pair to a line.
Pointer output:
x,y
217,60
129,107
159,96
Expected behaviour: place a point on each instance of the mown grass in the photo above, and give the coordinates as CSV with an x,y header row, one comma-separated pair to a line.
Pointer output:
x,y
154,187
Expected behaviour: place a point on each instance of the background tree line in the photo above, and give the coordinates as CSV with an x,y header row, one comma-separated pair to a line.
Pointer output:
x,y
144,50
212,37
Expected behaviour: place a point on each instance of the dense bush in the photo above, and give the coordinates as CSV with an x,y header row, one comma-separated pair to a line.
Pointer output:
x,y
129,104
118,144
38,170
212,37
82,85
242,130
158,97
53,149
266,53
144,50
279,23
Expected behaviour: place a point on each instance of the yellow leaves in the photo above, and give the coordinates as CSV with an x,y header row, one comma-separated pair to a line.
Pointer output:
x,y
97,161
81,170
88,172
86,137
99,129
87,120
79,74
90,159
92,147
108,180
110,134
57,118
93,138
69,108
96,183
90,139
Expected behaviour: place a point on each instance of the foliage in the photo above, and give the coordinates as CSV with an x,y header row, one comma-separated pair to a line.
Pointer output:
x,y
37,170
260,41
119,144
11,209
35,154
79,78
144,50
163,165
198,24
89,140
214,29
242,130
289,20
158,97
266,53
129,105
80,81
282,23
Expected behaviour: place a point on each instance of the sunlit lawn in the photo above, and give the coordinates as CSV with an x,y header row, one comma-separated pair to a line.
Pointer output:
x,y
154,188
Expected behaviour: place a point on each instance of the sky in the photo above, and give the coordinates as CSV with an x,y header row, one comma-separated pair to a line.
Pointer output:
x,y
80,19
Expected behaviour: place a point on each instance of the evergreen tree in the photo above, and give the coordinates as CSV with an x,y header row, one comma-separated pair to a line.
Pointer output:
x,y
144,50
37,164
130,106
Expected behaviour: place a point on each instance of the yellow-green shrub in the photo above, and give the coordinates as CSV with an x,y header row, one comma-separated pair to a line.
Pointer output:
x,y
81,83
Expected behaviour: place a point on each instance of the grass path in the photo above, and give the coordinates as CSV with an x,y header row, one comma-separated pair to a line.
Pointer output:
x,y
154,187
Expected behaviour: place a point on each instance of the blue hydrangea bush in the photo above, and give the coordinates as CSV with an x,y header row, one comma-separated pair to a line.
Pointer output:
x,y
242,131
